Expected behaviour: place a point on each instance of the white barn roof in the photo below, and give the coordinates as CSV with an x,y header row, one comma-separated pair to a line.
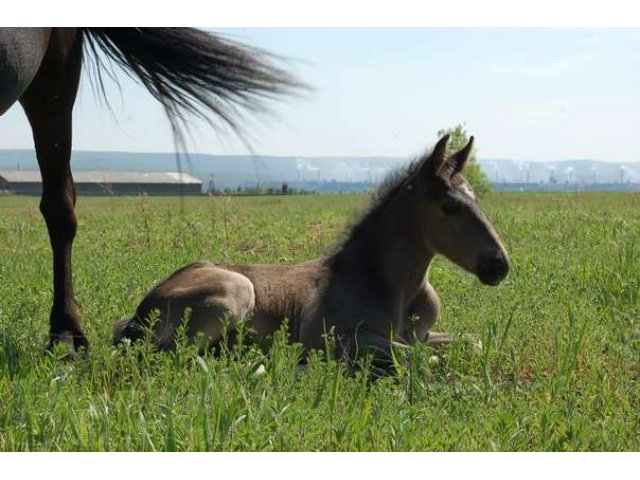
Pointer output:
x,y
33,176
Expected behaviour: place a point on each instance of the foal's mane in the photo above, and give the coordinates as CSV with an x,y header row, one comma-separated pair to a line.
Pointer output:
x,y
381,197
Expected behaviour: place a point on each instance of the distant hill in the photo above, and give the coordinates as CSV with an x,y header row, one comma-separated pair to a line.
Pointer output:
x,y
230,171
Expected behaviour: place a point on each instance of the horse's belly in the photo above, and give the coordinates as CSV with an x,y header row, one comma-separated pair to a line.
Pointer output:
x,y
263,324
312,332
21,53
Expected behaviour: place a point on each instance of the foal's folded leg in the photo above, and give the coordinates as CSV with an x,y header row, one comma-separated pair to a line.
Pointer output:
x,y
383,353
212,301
422,314
438,339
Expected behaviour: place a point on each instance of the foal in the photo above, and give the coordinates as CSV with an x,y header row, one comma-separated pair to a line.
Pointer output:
x,y
371,293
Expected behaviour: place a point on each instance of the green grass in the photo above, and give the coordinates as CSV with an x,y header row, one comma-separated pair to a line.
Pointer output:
x,y
558,370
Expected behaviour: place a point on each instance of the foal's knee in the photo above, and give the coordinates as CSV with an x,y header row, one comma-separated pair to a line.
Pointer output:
x,y
224,310
422,314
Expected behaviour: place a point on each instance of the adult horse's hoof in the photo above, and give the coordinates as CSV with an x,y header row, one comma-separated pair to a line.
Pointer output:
x,y
75,342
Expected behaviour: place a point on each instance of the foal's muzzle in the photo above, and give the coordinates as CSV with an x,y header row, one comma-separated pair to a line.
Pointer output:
x,y
492,268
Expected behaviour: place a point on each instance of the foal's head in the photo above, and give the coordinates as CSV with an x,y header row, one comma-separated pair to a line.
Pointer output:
x,y
454,225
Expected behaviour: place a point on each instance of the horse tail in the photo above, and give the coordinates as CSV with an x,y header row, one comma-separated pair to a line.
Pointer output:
x,y
193,72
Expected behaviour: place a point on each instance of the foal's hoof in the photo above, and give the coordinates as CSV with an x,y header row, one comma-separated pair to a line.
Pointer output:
x,y
438,339
74,342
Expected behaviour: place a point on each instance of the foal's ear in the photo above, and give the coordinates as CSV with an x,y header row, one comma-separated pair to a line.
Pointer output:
x,y
434,162
458,159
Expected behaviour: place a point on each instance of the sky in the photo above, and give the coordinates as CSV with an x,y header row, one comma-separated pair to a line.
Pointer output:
x,y
528,94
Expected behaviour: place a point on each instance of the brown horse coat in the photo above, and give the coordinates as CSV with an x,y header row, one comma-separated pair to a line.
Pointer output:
x,y
373,291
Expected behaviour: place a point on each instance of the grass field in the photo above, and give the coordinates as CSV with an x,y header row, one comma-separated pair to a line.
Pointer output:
x,y
559,367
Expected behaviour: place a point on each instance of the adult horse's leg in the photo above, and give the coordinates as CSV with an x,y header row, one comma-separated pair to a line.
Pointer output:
x,y
48,103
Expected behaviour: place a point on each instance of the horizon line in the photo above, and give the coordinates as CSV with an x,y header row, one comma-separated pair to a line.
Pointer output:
x,y
394,157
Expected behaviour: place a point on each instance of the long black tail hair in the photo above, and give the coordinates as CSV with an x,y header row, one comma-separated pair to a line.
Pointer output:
x,y
192,72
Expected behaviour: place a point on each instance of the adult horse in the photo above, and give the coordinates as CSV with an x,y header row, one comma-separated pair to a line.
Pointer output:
x,y
188,71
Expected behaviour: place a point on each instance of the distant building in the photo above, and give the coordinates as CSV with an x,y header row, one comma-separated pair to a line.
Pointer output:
x,y
28,182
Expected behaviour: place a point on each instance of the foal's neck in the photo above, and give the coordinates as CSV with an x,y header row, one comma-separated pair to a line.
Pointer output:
x,y
388,247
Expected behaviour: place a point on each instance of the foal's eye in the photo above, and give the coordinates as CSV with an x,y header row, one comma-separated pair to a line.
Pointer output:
x,y
451,206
